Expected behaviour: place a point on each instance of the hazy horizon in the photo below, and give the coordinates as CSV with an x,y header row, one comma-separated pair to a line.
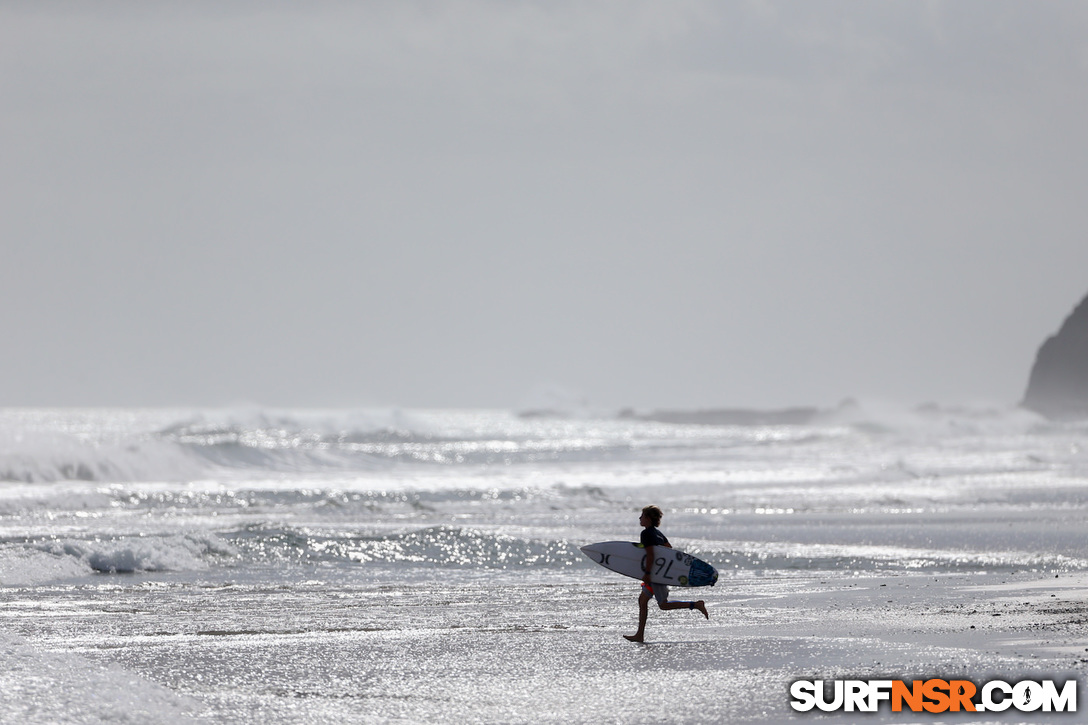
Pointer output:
x,y
479,204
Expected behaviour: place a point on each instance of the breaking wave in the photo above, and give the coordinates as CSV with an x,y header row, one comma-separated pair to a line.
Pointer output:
x,y
36,562
110,446
127,554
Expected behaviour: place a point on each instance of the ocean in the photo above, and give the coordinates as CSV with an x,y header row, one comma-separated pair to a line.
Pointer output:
x,y
290,566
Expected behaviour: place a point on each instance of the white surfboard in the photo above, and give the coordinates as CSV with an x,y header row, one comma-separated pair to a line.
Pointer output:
x,y
671,566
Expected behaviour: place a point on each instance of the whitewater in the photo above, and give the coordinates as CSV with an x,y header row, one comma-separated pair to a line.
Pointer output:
x,y
293,566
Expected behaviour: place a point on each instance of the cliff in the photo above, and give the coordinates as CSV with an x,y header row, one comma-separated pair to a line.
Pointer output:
x,y
1058,386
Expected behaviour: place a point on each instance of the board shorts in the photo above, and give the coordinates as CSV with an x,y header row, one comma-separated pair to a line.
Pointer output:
x,y
660,592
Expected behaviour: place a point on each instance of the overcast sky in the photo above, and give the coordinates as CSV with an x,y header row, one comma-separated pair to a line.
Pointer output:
x,y
681,204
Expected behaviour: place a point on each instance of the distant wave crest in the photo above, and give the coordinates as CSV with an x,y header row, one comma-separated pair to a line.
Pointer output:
x,y
163,446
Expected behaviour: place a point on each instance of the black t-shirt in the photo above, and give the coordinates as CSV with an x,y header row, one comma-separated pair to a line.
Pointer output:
x,y
652,536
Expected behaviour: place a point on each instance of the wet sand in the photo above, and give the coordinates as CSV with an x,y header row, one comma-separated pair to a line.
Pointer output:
x,y
536,652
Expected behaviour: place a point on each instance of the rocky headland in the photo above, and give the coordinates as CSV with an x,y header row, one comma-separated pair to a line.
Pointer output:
x,y
1058,386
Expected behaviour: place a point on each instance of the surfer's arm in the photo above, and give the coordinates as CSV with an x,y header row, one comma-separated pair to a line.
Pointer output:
x,y
649,563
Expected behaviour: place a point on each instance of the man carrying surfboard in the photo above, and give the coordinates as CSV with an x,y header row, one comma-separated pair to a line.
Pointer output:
x,y
651,538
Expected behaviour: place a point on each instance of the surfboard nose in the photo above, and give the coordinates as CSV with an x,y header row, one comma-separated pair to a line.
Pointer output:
x,y
597,557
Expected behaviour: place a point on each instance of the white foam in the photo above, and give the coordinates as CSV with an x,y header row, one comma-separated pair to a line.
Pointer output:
x,y
137,553
48,456
27,567
53,687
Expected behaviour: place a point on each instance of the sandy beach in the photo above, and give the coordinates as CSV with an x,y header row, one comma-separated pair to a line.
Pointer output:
x,y
544,652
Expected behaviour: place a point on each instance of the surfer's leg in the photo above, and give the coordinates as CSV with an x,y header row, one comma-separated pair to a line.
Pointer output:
x,y
643,612
686,605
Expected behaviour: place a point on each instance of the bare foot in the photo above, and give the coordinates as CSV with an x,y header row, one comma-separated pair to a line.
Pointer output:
x,y
633,637
702,608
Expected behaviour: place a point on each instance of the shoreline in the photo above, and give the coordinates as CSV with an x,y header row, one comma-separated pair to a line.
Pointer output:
x,y
534,651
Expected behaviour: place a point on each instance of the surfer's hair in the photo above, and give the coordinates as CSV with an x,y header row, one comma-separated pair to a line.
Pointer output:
x,y
653,513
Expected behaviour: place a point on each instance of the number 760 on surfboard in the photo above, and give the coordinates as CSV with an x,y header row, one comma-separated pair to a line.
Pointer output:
x,y
670,566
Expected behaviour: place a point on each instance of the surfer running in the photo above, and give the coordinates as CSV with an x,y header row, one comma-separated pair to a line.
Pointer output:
x,y
652,537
